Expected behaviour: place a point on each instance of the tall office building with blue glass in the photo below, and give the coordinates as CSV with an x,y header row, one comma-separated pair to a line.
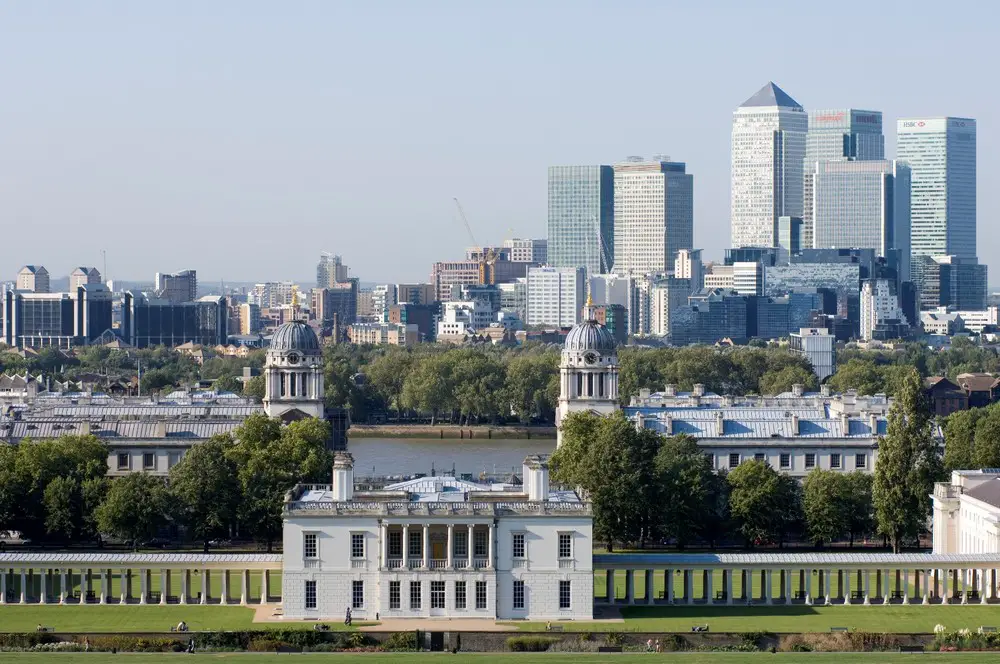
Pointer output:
x,y
846,133
581,217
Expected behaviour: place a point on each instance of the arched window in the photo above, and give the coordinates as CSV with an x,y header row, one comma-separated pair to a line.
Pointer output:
x,y
579,385
292,380
304,391
282,380
590,385
600,384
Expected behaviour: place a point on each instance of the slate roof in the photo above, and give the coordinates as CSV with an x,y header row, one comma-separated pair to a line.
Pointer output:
x,y
141,558
987,492
891,560
771,95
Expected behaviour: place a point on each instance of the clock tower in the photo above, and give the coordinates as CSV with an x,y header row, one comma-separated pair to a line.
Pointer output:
x,y
293,373
588,370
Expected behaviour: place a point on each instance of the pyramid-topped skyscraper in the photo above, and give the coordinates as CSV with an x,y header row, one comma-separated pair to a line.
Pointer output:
x,y
769,141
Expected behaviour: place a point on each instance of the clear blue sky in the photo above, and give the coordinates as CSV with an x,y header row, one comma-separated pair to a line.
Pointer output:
x,y
240,138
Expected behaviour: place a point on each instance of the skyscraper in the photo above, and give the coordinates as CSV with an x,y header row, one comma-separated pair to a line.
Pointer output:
x,y
863,205
654,215
581,217
769,142
330,271
837,134
941,153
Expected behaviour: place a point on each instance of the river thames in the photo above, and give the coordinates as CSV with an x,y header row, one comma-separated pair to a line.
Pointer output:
x,y
408,456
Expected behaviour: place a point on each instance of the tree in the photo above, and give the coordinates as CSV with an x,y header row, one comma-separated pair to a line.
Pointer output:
x,y
960,438
824,504
856,374
527,382
986,445
762,502
782,380
227,383
907,466
61,498
859,508
134,508
254,388
387,375
205,488
615,465
686,484
428,386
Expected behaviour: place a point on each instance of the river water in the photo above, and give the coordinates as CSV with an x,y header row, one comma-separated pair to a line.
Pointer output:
x,y
407,456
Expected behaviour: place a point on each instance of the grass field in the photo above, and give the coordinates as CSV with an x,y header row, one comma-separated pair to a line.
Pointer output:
x,y
137,618
518,658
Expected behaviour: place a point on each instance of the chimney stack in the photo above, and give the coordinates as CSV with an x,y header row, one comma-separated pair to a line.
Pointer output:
x,y
670,390
343,477
536,477
824,390
798,389
698,390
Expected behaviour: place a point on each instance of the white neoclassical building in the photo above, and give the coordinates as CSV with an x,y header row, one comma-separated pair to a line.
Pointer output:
x,y
588,371
967,512
438,547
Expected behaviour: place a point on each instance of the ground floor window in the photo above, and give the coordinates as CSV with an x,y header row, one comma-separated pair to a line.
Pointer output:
x,y
518,594
564,594
394,594
310,594
414,595
460,594
480,594
358,594
437,594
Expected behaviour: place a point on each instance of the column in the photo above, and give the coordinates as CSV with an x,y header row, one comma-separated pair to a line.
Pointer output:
x,y
868,599
468,549
406,547
224,598
105,585
847,586
204,586
24,586
164,585
905,586
788,586
143,588
926,587
609,584
265,586
688,587
185,585
650,587
244,587
826,586
729,586
809,585
3,585
965,592
426,550
984,577
489,562
630,586
62,586
886,587
709,582
43,590
123,599
668,585
384,534
944,586
767,587
451,546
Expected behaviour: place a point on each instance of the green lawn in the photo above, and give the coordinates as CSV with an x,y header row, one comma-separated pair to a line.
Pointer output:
x,y
518,658
795,619
134,618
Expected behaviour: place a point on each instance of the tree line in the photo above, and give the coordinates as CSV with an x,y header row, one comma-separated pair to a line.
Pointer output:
x,y
57,491
647,488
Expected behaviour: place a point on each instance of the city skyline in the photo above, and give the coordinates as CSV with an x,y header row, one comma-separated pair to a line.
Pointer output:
x,y
185,139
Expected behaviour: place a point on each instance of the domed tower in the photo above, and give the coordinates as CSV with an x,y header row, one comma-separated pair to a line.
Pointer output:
x,y
293,373
588,371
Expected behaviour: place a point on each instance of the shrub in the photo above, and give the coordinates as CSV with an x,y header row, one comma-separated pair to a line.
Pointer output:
x,y
123,643
401,641
673,643
530,643
872,642
26,640
355,640
614,638
264,645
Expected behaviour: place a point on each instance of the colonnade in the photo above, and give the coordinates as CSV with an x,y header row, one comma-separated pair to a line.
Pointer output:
x,y
40,584
426,561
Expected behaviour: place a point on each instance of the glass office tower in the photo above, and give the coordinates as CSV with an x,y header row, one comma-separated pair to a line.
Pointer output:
x,y
581,217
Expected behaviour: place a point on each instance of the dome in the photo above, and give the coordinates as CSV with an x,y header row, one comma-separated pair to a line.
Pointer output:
x,y
590,335
295,336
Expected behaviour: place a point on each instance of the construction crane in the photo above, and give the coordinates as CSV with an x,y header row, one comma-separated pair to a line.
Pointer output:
x,y
488,256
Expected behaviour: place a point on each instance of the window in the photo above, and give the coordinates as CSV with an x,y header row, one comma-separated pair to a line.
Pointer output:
x,y
565,545
416,544
460,594
357,545
835,461
437,594
480,540
810,461
148,460
564,594
860,461
734,459
395,544
394,594
518,545
518,594
461,544
758,457
786,461
310,594
414,595
357,594
310,547
123,460
480,594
